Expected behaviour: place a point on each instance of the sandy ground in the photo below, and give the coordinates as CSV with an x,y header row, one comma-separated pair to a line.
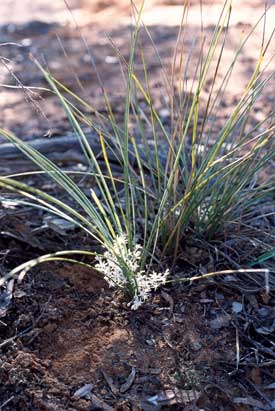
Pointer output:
x,y
64,329
95,18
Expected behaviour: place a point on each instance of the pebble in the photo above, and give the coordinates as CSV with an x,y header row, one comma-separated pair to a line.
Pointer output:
x,y
195,346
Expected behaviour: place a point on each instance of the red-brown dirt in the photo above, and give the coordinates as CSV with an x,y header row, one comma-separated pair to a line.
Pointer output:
x,y
188,348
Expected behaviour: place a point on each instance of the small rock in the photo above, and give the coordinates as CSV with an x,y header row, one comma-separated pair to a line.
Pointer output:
x,y
111,60
164,113
237,307
219,322
195,346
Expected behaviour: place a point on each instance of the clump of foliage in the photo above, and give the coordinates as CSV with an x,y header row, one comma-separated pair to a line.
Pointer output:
x,y
180,182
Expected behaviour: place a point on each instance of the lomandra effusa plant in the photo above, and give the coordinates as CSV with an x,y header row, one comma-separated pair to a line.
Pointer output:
x,y
188,176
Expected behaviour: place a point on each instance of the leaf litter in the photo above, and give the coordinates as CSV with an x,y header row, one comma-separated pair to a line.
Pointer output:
x,y
178,352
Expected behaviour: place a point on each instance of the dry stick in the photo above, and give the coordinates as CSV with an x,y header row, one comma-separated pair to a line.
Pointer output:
x,y
6,402
100,403
62,145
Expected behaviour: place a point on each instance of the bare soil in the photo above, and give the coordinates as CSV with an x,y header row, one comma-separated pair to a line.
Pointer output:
x,y
65,330
204,346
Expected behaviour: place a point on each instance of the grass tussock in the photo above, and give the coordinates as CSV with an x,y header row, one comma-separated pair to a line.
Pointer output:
x,y
185,178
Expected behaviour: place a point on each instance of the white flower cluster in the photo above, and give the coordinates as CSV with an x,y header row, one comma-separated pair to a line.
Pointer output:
x,y
146,282
143,283
109,264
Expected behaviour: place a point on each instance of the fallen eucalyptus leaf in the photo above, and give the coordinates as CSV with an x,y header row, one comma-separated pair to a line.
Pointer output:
x,y
5,298
171,397
131,378
58,225
84,391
